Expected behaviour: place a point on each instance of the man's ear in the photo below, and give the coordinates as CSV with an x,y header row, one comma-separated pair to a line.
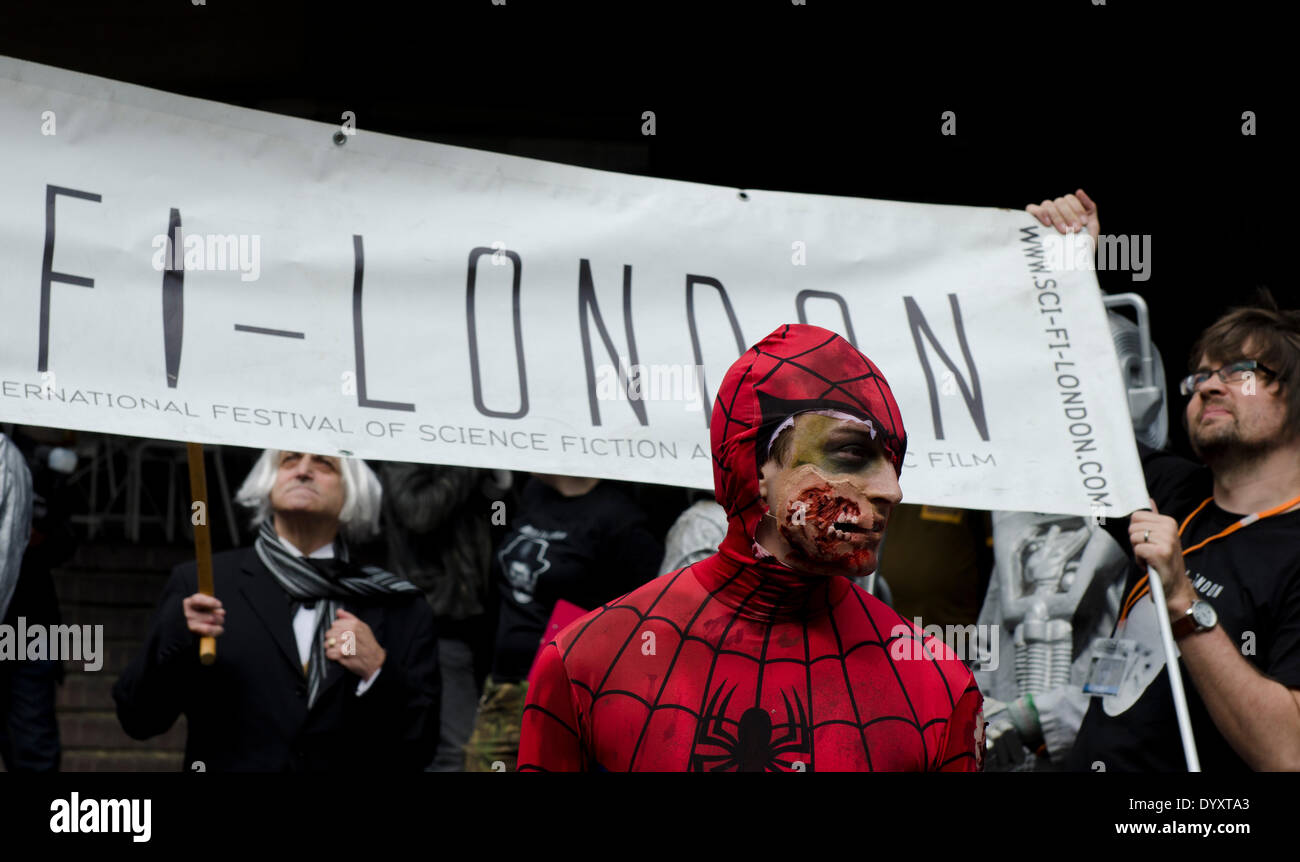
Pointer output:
x,y
769,468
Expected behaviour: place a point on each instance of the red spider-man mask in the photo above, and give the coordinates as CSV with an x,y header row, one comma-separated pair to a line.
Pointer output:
x,y
829,498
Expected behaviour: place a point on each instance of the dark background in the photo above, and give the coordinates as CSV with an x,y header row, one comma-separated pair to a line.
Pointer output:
x,y
1144,112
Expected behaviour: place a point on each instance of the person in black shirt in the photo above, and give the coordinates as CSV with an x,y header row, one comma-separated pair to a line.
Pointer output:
x,y
574,538
1229,561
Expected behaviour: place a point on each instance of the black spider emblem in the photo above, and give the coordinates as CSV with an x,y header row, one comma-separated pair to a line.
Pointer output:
x,y
752,748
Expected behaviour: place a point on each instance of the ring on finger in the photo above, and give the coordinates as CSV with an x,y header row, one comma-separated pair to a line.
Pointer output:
x,y
1146,536
330,642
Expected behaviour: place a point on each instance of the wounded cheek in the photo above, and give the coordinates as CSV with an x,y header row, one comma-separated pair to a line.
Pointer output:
x,y
822,500
811,513
820,507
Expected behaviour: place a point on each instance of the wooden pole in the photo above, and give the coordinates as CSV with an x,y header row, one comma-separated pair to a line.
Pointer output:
x,y
202,539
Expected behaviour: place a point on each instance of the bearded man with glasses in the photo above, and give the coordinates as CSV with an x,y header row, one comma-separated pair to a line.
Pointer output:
x,y
1225,541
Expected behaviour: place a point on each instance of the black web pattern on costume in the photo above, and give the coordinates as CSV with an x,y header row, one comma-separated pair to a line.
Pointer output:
x,y
684,636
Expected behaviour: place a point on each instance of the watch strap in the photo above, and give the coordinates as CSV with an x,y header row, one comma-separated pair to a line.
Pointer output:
x,y
1184,625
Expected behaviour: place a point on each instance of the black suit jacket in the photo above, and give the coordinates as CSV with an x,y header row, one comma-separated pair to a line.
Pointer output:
x,y
248,710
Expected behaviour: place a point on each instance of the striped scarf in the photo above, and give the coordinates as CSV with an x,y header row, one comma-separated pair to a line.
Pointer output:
x,y
310,580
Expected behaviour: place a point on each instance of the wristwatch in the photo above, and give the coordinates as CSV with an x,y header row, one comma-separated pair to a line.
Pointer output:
x,y
1200,617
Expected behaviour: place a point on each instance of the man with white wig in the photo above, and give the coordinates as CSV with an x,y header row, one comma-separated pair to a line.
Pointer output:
x,y
322,665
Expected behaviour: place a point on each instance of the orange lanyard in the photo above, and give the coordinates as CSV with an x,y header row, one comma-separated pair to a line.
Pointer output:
x,y
1141,588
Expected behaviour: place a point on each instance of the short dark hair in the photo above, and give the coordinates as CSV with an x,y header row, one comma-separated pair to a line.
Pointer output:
x,y
1272,333
781,447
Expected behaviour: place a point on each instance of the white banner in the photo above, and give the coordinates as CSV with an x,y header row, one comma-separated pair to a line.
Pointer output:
x,y
179,269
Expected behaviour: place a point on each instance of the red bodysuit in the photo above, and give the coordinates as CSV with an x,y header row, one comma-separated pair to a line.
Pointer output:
x,y
737,664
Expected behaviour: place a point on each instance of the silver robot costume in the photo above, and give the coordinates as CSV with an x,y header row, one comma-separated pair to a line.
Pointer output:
x,y
1057,586
15,517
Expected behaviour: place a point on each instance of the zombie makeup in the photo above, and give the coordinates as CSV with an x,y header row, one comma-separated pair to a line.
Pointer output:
x,y
823,500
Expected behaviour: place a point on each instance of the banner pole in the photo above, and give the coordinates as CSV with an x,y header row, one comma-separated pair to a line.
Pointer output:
x,y
1175,672
202,539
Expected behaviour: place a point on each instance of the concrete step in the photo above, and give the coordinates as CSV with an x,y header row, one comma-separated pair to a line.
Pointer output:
x,y
101,730
82,587
117,585
86,691
122,761
117,655
119,556
120,623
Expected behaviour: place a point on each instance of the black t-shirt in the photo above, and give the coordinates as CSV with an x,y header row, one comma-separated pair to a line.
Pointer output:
x,y
1252,578
587,550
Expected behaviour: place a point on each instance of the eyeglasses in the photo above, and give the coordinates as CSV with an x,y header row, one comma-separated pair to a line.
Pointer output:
x,y
1233,372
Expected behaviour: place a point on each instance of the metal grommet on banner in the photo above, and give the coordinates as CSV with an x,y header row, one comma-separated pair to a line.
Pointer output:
x,y
340,138
743,195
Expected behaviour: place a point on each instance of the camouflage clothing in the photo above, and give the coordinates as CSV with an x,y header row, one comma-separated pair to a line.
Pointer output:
x,y
496,730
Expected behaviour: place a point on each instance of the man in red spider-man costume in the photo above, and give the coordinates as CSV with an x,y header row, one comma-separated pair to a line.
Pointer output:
x,y
765,657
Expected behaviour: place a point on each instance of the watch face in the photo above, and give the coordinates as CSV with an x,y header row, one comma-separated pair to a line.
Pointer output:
x,y
1204,614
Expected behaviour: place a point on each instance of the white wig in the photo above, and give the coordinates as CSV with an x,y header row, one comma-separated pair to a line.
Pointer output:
x,y
362,493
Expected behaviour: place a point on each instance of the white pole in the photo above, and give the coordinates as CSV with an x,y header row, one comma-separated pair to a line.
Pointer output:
x,y
1175,672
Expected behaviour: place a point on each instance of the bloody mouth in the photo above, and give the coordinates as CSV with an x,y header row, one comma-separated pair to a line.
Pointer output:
x,y
831,521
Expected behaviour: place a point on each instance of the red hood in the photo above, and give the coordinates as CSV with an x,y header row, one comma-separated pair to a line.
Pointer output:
x,y
796,368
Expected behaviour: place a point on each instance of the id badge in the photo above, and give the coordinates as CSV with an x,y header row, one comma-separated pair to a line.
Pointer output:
x,y
1111,658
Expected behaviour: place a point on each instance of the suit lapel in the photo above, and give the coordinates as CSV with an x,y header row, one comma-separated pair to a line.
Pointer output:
x,y
271,605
